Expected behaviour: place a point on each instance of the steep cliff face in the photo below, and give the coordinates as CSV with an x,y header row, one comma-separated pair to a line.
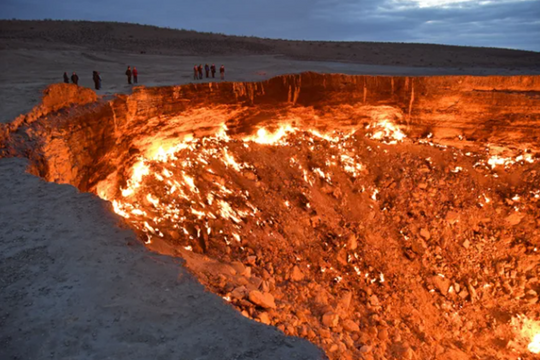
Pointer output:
x,y
83,144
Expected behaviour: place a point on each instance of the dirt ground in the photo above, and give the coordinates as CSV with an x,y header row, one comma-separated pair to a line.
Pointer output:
x,y
75,283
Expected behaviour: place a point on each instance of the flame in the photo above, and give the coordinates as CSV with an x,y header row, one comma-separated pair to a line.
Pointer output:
x,y
534,345
387,132
266,138
528,332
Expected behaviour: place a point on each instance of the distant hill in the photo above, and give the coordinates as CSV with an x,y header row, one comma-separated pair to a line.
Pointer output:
x,y
134,38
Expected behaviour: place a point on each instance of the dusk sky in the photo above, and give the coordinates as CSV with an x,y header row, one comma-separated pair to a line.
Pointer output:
x,y
495,23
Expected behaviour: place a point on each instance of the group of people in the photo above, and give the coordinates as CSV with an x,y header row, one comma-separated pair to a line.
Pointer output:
x,y
74,78
96,77
198,71
133,74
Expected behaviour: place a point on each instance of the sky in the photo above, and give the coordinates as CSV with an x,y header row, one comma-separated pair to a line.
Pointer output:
x,y
511,24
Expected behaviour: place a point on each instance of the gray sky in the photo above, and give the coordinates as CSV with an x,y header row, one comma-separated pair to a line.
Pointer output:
x,y
495,23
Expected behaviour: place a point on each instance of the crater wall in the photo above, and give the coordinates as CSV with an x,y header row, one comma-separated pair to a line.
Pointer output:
x,y
74,137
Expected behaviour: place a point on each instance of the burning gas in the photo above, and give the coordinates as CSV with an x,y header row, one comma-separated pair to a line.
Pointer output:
x,y
177,188
528,333
297,209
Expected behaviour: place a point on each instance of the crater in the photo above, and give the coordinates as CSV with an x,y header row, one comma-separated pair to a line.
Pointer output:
x,y
378,217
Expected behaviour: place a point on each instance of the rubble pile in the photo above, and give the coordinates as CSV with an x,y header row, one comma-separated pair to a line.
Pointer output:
x,y
370,245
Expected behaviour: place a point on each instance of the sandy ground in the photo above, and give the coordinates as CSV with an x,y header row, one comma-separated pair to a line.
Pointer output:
x,y
75,284
31,70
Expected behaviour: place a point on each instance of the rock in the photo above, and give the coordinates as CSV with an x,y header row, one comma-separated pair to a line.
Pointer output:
x,y
365,349
472,292
408,353
452,217
383,334
374,300
239,292
442,284
350,326
345,300
514,219
321,297
263,300
466,244
297,274
330,319
250,176
352,242
264,318
342,257
238,267
425,234
419,246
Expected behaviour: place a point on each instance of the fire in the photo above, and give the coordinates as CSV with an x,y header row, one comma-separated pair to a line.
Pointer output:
x,y
387,132
528,333
534,345
266,138
178,174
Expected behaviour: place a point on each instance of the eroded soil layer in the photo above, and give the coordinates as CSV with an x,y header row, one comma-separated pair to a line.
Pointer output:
x,y
377,217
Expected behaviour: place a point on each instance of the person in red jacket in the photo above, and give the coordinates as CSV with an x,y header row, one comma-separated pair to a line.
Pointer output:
x,y
135,75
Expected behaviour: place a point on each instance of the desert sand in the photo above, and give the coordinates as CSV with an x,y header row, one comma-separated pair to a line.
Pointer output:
x,y
76,283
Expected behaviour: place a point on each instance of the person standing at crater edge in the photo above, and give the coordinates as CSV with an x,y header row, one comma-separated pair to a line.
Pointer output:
x,y
128,74
66,79
135,75
97,80
195,73
207,70
75,78
200,71
222,72
213,69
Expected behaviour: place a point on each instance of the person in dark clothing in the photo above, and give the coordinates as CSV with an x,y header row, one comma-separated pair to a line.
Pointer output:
x,y
222,72
97,80
75,78
195,72
135,75
66,79
200,71
207,70
213,69
128,74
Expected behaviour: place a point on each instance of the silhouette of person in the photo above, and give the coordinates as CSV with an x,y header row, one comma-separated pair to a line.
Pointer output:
x,y
75,78
128,74
97,80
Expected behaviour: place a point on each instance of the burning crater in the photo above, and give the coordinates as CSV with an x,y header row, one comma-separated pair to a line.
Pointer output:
x,y
378,217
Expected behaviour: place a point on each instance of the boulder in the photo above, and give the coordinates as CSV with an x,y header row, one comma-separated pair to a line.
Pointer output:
x,y
265,300
330,319
297,274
